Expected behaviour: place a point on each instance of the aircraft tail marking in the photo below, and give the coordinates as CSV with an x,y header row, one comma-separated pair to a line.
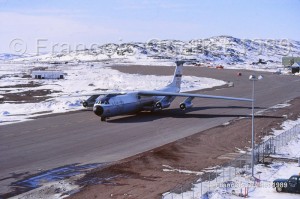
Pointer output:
x,y
176,82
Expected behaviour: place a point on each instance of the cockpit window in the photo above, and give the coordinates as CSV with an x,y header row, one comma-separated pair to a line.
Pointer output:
x,y
114,95
105,99
102,100
93,98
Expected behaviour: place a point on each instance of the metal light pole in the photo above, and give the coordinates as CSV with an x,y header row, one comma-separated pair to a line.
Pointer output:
x,y
253,78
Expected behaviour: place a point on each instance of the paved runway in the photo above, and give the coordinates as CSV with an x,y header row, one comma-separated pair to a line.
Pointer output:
x,y
80,137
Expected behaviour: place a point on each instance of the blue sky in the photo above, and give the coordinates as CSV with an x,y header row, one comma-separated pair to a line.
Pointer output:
x,y
87,22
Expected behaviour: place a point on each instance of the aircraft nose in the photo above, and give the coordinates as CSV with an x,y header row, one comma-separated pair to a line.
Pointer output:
x,y
98,110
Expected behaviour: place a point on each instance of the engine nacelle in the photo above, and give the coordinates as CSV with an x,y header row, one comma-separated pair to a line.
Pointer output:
x,y
187,103
184,105
84,103
162,104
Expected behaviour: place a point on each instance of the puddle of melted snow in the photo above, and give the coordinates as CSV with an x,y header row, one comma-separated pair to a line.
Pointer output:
x,y
54,175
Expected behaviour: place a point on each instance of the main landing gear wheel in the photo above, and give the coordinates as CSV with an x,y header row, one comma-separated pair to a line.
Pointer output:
x,y
103,119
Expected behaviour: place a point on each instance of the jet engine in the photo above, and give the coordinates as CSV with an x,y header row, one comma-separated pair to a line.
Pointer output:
x,y
162,104
84,104
186,104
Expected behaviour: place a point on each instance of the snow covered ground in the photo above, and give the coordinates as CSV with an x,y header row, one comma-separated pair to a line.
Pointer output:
x,y
81,79
53,190
227,51
242,183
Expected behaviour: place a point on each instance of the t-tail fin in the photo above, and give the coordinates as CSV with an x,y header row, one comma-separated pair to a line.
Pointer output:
x,y
176,82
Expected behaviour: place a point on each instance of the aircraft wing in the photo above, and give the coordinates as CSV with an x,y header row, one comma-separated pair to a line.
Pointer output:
x,y
90,94
161,93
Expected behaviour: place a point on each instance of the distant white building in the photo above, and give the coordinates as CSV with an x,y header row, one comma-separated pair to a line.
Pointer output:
x,y
47,74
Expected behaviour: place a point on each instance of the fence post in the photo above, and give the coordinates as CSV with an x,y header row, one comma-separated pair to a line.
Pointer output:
x,y
209,181
181,192
194,193
235,170
201,189
229,171
256,151
223,175
274,146
240,163
285,141
264,150
216,175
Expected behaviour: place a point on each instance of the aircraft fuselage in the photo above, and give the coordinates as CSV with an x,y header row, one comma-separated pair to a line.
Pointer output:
x,y
122,104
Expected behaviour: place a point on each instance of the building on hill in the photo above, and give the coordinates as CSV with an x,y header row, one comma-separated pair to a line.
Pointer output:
x,y
47,74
